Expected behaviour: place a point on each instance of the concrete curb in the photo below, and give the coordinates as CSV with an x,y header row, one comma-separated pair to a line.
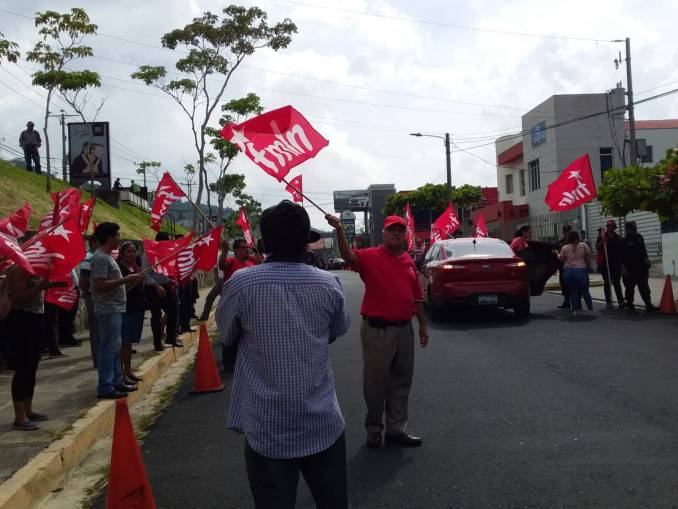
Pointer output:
x,y
42,474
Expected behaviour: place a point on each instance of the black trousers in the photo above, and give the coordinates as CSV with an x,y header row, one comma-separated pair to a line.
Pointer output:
x,y
186,306
24,330
59,325
615,278
638,277
31,154
274,482
170,305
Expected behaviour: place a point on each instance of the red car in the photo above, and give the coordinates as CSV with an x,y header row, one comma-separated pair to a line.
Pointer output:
x,y
483,272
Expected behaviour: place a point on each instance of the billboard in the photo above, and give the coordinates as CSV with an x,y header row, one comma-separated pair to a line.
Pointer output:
x,y
351,200
89,154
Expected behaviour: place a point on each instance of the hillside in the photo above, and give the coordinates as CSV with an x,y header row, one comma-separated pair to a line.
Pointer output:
x,y
18,186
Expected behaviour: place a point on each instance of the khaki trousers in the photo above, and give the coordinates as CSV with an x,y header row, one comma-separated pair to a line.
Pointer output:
x,y
388,364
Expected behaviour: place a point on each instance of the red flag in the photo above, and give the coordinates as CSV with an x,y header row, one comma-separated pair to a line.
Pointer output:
x,y
57,253
574,187
200,255
276,141
66,205
64,297
167,193
409,233
46,221
86,214
16,224
244,223
295,189
161,251
445,225
481,229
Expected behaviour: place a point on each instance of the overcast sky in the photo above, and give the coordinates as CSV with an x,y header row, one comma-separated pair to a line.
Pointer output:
x,y
366,76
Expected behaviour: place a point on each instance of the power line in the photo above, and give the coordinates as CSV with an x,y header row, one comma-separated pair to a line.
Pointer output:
x,y
445,25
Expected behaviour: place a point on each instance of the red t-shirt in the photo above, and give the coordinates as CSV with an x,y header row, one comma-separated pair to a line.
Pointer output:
x,y
232,264
391,284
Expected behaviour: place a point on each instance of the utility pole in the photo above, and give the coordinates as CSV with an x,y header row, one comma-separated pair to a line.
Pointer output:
x,y
63,145
188,184
449,167
629,93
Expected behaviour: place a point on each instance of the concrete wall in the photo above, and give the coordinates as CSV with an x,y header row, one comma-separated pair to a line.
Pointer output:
x,y
670,253
660,139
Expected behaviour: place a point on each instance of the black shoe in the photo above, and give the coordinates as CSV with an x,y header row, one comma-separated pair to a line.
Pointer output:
x,y
134,351
159,347
374,440
202,318
112,395
402,439
176,343
564,305
71,343
126,388
630,308
651,309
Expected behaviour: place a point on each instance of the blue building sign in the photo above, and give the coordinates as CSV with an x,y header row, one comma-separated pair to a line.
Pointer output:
x,y
538,134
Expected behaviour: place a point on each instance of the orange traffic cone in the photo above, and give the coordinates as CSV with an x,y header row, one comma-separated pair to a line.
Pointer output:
x,y
128,486
206,372
667,304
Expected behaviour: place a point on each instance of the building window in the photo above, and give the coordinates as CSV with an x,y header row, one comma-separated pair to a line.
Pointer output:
x,y
521,179
538,134
606,160
647,158
509,184
535,180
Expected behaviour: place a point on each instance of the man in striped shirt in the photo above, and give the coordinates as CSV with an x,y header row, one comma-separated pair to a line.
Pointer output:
x,y
284,314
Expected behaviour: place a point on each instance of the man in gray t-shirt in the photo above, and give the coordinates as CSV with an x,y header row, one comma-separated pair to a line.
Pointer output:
x,y
108,293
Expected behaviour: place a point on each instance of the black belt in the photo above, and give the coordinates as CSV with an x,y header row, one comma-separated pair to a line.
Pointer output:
x,y
380,323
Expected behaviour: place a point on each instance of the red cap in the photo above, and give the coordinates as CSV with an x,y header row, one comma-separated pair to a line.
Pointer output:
x,y
391,220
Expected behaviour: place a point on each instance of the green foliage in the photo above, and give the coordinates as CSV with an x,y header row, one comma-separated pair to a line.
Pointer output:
x,y
230,184
433,197
664,201
66,81
143,166
8,50
215,45
253,208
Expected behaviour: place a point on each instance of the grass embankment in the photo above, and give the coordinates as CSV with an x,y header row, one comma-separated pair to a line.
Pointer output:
x,y
18,186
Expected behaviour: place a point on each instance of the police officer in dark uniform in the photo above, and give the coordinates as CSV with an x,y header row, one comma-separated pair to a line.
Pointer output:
x,y
636,268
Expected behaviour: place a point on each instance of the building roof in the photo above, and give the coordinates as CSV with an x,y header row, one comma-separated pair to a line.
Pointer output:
x,y
511,154
668,123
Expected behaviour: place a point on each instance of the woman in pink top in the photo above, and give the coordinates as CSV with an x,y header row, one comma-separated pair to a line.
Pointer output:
x,y
576,258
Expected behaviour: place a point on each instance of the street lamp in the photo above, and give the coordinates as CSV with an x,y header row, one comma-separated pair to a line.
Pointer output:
x,y
447,155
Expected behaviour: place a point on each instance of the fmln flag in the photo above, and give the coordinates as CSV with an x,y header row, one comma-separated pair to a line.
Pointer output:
x,y
277,140
295,189
446,224
244,223
165,195
574,187
409,232
481,228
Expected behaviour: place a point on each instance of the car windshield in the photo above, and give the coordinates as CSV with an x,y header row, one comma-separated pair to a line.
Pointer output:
x,y
480,250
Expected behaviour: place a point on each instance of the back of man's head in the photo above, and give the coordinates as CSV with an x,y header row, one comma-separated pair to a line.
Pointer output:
x,y
162,236
285,228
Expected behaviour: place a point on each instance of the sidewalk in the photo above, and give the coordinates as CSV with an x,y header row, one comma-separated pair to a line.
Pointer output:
x,y
65,391
597,292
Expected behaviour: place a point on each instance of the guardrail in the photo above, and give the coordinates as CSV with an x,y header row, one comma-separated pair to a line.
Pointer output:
x,y
134,199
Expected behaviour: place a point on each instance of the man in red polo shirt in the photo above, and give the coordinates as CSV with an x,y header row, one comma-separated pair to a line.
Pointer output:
x,y
393,295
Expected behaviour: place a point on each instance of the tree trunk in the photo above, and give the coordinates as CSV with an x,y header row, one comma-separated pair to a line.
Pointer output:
x,y
48,183
209,197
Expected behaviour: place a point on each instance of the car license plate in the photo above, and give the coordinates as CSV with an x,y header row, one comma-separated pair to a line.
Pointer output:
x,y
488,299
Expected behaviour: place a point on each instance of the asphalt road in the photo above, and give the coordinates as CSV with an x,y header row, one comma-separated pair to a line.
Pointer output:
x,y
550,412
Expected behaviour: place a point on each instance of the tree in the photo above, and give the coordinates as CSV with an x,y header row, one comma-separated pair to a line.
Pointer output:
x,y
227,151
62,42
229,184
216,46
142,169
434,197
653,189
8,50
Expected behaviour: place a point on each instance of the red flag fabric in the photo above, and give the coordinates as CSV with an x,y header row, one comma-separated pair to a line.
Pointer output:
x,y
200,255
574,187
481,228
167,193
244,223
409,233
160,251
11,228
46,221
16,224
86,214
57,253
66,205
276,141
446,224
64,297
295,189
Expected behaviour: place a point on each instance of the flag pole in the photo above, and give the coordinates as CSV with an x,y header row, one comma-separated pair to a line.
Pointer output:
x,y
607,258
195,207
302,194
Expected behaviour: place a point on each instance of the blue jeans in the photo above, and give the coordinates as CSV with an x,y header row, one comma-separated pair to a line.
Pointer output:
x,y
108,353
577,284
